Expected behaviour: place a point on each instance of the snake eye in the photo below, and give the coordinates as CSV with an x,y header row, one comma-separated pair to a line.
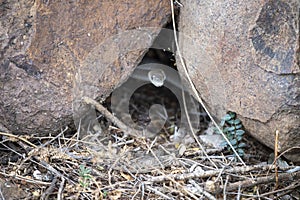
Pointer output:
x,y
157,77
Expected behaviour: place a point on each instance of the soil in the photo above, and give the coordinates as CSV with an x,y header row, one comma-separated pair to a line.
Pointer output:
x,y
116,167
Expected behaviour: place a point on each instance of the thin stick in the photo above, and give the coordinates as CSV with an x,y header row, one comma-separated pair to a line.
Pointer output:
x,y
61,187
154,155
18,137
289,149
192,130
48,142
225,185
275,157
239,194
183,96
195,91
25,179
112,118
290,187
1,195
158,192
202,191
49,190
50,168
260,180
275,160
209,173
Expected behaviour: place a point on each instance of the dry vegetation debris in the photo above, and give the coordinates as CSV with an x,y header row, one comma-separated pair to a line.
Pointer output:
x,y
64,167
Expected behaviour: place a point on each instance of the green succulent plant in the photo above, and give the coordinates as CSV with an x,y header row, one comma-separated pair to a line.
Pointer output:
x,y
233,129
85,176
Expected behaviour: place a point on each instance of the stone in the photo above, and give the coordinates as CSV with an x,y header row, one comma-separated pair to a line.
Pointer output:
x,y
243,56
46,48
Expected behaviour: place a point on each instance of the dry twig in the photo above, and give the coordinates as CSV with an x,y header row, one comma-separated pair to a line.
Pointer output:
x,y
259,181
110,116
275,157
61,187
25,179
209,173
196,93
202,191
18,137
49,190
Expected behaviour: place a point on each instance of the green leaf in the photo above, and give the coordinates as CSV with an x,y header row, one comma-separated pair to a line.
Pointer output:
x,y
224,144
233,142
222,123
242,145
227,117
232,114
231,133
217,131
238,126
225,130
237,121
239,132
241,152
81,167
86,176
84,172
230,137
231,121
239,137
228,129
231,128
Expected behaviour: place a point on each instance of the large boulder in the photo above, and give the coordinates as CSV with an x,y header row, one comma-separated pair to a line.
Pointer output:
x,y
43,46
243,56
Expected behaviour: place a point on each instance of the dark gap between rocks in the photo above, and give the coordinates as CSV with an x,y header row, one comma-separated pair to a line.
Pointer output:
x,y
147,95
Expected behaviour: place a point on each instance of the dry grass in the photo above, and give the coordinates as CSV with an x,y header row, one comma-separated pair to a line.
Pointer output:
x,y
112,167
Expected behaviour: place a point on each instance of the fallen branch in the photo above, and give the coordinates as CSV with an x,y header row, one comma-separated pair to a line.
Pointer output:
x,y
288,189
209,173
24,179
17,137
202,191
60,190
155,191
275,157
259,181
111,117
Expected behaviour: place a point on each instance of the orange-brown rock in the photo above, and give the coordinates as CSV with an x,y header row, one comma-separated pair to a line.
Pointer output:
x,y
43,45
243,56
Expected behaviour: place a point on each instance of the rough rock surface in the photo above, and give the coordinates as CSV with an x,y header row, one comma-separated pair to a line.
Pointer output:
x,y
243,56
44,42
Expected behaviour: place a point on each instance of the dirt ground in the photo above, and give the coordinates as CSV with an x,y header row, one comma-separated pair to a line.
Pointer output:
x,y
115,166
